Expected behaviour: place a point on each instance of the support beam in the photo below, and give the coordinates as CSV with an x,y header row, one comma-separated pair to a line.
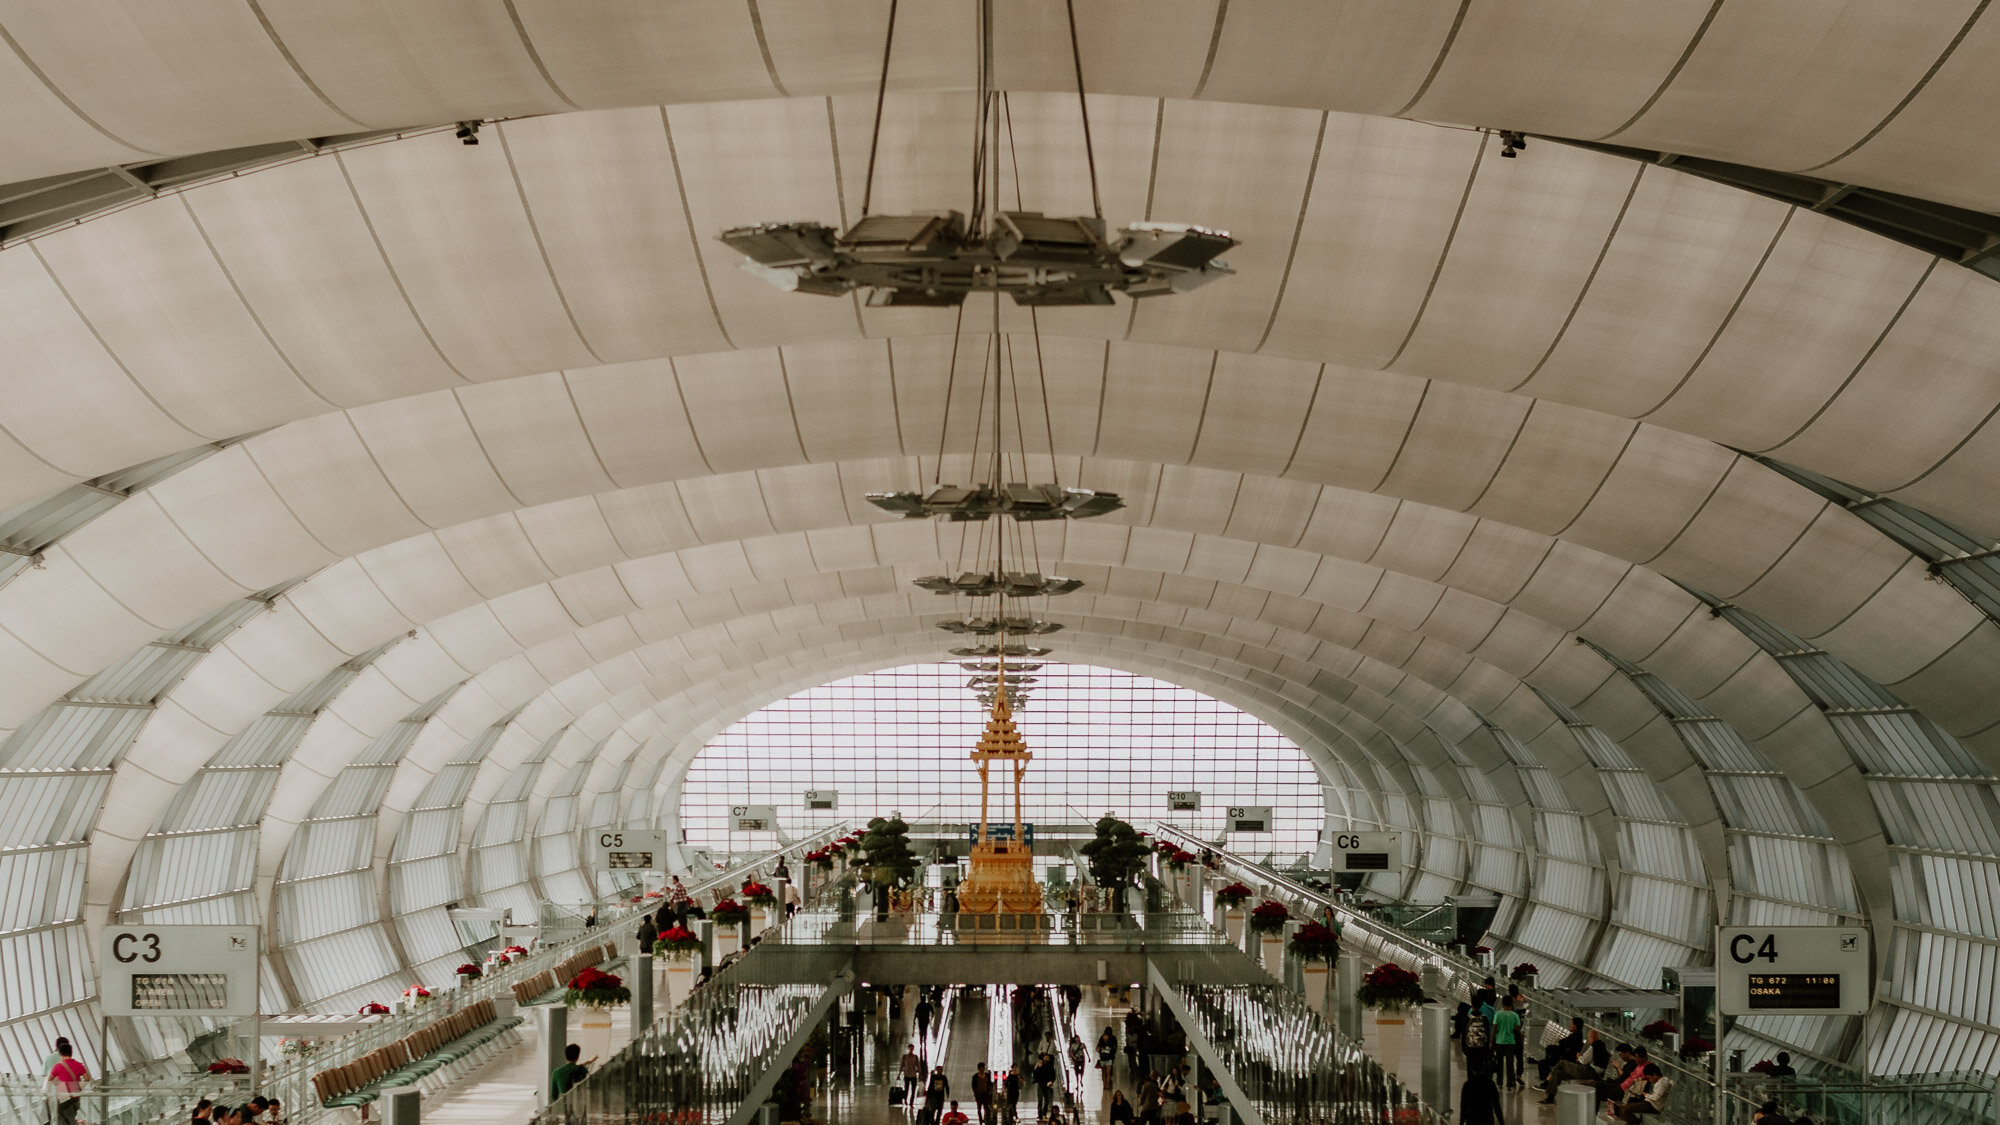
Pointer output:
x,y
1246,1110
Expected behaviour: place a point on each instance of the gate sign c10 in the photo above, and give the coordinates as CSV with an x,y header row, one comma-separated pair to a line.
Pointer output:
x,y
1368,851
631,850
1791,970
179,971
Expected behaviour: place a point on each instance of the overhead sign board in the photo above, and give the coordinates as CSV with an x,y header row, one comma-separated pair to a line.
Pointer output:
x,y
1791,970
822,800
753,818
1367,851
179,971
1249,818
632,849
1183,800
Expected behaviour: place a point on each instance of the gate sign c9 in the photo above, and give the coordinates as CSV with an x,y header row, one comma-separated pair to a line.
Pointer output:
x,y
179,971
1368,851
628,849
1791,970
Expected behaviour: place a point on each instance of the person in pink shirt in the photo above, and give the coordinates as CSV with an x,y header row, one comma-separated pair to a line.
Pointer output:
x,y
66,1080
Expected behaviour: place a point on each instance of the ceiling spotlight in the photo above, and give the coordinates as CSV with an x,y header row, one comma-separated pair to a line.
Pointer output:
x,y
978,502
1001,623
1511,142
979,666
468,132
1008,583
996,651
935,259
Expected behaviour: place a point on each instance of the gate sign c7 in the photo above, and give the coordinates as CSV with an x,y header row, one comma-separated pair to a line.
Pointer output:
x,y
179,971
1792,970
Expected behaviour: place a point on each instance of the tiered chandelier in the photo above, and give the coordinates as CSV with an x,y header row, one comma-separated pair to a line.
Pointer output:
x,y
939,259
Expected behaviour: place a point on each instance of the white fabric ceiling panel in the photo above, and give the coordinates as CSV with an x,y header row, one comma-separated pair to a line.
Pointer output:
x,y
1572,67
343,323
1384,198
532,614
1524,645
78,407
1909,623
647,520
1494,311
224,693
1402,600
1912,150
1199,500
924,375
375,701
690,51
775,558
556,659
593,595
1343,583
1798,86
1559,458
1246,395
1838,563
185,77
145,561
1356,427
1683,253
716,567
1155,399
846,548
1035,39
493,554
1941,351
743,163
1463,620
1952,691
531,433
615,237
426,448
455,231
1269,510
1423,541
1244,169
329,479
241,525
1787,350
1282,570
419,578
150,288
1637,607
1369,57
740,403
1155,548
347,607
637,421
802,497
1702,653
61,137
844,395
1661,481
1959,487
570,535
1751,518
470,635
1498,560
67,618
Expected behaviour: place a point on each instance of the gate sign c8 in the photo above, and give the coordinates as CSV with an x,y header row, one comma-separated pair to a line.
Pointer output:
x,y
179,971
1368,851
626,849
1791,970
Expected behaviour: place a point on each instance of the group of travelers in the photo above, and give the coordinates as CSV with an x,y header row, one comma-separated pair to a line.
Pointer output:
x,y
256,1111
1489,1035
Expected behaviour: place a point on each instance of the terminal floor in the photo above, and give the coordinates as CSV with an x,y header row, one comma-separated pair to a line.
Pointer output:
x,y
503,1091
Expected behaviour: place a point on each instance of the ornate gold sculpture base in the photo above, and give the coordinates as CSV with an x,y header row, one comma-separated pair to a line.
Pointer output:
x,y
1001,881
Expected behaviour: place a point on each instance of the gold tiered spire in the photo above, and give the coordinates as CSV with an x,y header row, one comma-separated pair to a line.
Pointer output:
x,y
1002,875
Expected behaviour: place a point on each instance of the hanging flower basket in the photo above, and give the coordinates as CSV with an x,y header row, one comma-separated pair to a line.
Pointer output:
x,y
1269,917
516,951
1177,860
470,971
1764,1066
373,1009
595,988
729,912
677,942
1390,987
1525,971
1657,1030
757,894
1233,895
821,858
1696,1048
417,995
1314,942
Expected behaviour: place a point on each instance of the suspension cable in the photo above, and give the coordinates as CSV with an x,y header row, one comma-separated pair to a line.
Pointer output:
x,y
881,93
1083,107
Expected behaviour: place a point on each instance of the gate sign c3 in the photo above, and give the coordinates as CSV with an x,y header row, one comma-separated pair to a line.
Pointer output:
x,y
1792,970
631,849
179,971
1368,851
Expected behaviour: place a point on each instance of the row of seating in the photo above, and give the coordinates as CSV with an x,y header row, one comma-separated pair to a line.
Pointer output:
x,y
547,986
412,1058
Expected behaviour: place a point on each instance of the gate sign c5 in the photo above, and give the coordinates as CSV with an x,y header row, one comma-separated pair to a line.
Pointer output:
x,y
179,971
1792,970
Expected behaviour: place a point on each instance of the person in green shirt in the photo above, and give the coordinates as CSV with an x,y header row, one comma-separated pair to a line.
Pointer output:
x,y
569,1073
1507,1042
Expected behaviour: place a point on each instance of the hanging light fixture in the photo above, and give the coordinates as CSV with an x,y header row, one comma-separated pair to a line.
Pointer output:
x,y
938,258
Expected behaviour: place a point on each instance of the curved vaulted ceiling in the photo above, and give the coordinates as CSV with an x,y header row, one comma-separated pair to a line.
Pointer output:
x,y
513,489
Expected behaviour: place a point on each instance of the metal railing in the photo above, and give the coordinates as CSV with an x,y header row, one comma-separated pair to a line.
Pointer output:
x,y
835,927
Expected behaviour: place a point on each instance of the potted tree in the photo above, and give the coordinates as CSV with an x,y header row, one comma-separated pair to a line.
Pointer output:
x,y
890,864
1116,854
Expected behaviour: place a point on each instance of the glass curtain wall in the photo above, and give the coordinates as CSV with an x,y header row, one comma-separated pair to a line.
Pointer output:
x,y
898,740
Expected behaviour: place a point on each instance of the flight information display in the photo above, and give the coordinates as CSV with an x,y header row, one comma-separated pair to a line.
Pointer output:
x,y
1367,861
1794,990
179,992
630,861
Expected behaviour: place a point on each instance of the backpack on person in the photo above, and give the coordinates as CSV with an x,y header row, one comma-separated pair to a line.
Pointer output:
x,y
1478,1033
